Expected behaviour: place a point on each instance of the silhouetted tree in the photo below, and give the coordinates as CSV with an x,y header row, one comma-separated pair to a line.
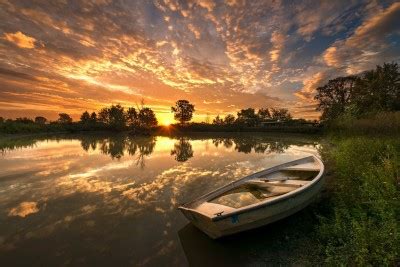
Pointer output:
x,y
281,114
248,117
229,119
335,96
1,119
104,116
264,114
147,118
183,111
85,117
40,120
117,117
183,150
132,117
64,118
218,120
377,90
93,117
113,116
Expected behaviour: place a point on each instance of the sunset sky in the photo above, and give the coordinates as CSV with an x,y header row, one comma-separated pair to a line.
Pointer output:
x,y
71,56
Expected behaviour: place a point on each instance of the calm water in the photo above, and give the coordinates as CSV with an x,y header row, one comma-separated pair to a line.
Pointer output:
x,y
101,200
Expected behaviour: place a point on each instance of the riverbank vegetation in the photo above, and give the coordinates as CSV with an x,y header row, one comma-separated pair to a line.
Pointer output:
x,y
362,226
359,215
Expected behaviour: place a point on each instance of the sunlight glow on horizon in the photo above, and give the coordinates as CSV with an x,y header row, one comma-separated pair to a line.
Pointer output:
x,y
221,57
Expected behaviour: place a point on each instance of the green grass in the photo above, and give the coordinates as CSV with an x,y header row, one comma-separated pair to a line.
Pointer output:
x,y
363,225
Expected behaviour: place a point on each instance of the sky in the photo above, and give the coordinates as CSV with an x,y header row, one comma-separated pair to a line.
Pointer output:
x,y
71,56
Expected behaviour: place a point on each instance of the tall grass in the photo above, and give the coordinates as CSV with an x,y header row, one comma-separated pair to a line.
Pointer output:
x,y
363,227
380,123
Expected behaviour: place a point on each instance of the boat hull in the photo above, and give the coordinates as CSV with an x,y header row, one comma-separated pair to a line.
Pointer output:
x,y
254,218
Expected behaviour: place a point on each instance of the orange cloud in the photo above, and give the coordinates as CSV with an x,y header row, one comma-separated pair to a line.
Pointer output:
x,y
24,209
310,84
20,39
207,4
330,57
195,31
277,40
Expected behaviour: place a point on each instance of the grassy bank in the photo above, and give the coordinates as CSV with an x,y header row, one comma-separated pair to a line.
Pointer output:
x,y
362,224
382,123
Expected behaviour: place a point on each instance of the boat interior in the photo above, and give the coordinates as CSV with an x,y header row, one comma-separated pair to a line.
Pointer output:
x,y
258,189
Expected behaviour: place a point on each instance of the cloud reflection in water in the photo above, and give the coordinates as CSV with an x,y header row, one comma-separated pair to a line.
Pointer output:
x,y
106,191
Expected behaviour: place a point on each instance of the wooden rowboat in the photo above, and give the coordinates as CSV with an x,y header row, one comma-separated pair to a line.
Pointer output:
x,y
258,199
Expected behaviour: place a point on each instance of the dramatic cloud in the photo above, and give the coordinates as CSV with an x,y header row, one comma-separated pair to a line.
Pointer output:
x,y
310,84
20,39
83,55
369,43
24,209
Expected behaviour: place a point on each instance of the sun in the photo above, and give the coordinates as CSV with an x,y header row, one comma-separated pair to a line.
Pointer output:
x,y
166,123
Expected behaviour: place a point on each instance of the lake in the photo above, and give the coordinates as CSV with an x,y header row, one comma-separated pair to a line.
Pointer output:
x,y
112,200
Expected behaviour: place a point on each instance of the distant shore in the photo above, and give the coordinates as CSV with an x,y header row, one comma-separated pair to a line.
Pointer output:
x,y
159,130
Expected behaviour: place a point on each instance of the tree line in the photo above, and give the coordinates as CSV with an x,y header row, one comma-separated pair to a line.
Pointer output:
x,y
183,113
249,117
357,96
114,117
142,119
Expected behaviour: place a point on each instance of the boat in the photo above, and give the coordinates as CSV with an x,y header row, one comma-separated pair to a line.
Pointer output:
x,y
258,199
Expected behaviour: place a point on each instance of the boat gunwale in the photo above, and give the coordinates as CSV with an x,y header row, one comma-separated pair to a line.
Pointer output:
x,y
263,203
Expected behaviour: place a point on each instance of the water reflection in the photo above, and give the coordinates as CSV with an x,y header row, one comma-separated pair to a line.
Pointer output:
x,y
9,144
183,150
117,146
76,200
256,144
